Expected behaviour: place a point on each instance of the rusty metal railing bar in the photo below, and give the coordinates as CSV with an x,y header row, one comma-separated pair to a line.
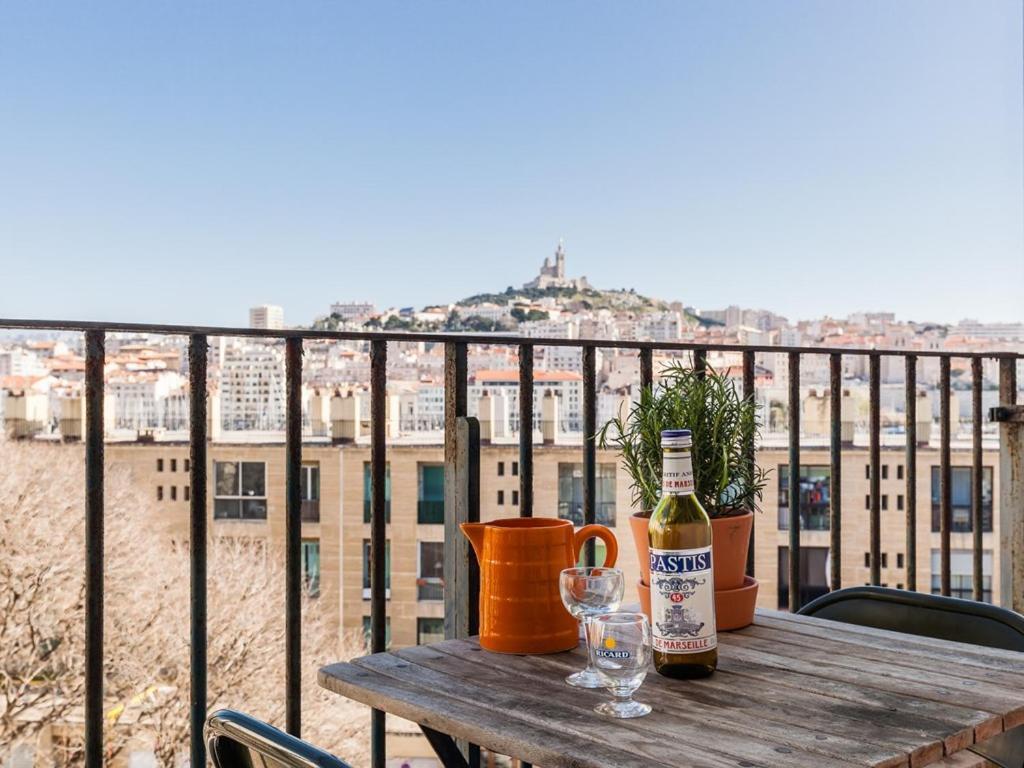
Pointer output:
x,y
526,430
910,459
875,463
749,451
794,481
945,477
293,537
94,541
976,471
589,448
378,531
198,351
470,338
835,365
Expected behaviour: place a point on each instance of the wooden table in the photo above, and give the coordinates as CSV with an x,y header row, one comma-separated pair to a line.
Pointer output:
x,y
789,690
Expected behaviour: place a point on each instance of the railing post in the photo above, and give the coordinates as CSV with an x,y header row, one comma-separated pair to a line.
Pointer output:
x,y
293,537
94,362
1011,495
976,472
378,530
875,462
749,451
198,351
526,430
945,478
835,494
456,622
461,571
589,448
910,457
794,481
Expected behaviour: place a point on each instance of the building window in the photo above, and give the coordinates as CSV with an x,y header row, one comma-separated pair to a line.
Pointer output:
x,y
430,501
174,493
885,471
885,501
501,468
515,469
961,574
159,493
899,502
368,492
815,497
867,501
429,630
174,465
885,559
570,493
159,465
515,498
899,471
899,561
366,569
187,465
430,581
188,493
387,632
867,471
309,490
961,499
311,566
867,559
240,490
501,498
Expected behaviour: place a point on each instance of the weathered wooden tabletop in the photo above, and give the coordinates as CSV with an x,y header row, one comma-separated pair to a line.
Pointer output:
x,y
789,690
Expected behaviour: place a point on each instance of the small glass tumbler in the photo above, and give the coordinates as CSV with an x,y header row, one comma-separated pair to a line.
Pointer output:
x,y
589,592
621,652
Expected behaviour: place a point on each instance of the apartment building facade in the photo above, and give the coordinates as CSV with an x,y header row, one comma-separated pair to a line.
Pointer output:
x,y
247,500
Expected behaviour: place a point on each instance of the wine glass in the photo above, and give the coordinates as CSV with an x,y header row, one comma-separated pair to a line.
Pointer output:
x,y
587,592
621,652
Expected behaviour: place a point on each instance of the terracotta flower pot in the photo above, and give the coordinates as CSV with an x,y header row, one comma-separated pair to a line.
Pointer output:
x,y
735,592
730,540
734,608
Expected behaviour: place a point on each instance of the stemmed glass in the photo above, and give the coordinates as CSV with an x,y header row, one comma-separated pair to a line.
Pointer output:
x,y
621,653
589,592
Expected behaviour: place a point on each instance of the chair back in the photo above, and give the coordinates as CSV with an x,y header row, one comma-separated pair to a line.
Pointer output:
x,y
944,618
236,740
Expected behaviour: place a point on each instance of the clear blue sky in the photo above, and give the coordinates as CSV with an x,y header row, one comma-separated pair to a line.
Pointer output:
x,y
179,161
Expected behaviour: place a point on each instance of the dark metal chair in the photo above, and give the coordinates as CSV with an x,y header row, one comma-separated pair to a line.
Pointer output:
x,y
944,618
236,740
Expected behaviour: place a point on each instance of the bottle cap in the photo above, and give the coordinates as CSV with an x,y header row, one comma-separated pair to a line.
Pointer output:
x,y
676,438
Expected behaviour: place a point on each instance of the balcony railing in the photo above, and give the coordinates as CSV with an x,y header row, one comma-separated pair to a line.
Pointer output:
x,y
459,570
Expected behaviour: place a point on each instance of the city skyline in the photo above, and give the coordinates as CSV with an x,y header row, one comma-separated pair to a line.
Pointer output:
x,y
181,163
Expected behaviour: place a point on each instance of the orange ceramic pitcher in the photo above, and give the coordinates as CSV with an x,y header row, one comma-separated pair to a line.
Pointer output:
x,y
520,559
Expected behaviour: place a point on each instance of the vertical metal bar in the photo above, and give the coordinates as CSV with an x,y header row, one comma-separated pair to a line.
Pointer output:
x,y
794,474
945,475
198,351
589,447
835,523
378,533
1011,495
647,368
976,470
456,549
526,430
94,362
748,394
910,459
700,362
875,450
293,537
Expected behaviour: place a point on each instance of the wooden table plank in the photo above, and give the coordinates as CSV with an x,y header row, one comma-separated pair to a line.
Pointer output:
x,y
790,690
694,725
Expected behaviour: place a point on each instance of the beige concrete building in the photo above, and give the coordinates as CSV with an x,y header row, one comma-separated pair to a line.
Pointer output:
x,y
247,492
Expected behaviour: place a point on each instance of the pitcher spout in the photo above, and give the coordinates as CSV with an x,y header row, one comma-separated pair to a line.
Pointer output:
x,y
475,533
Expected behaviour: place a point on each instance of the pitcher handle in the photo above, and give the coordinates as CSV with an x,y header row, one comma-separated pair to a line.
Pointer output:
x,y
611,546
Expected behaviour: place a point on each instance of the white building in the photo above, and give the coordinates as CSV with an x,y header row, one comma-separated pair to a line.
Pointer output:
x,y
354,311
252,387
267,317
567,386
147,399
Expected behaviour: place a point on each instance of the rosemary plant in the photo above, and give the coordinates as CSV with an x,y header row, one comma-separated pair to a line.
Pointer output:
x,y
723,424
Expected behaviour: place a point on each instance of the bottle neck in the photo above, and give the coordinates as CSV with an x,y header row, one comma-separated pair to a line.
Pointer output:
x,y
676,472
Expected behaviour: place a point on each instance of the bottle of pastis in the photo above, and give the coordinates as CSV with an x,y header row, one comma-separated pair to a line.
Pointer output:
x,y
682,590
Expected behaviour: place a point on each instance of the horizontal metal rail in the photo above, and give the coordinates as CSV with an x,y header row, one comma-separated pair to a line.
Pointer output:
x,y
459,618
